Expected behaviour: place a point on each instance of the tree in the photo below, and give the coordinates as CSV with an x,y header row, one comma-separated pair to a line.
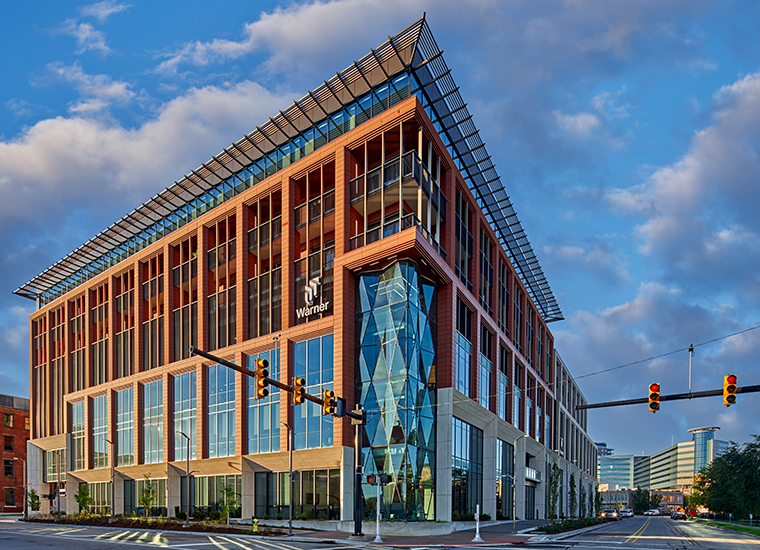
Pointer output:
x,y
582,501
573,504
640,500
148,495
730,484
230,500
83,498
554,480
597,502
654,501
33,500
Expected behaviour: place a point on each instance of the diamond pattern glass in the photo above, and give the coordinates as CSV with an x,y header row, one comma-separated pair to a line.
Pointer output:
x,y
396,327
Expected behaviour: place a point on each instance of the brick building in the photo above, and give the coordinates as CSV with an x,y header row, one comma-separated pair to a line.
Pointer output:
x,y
14,412
361,239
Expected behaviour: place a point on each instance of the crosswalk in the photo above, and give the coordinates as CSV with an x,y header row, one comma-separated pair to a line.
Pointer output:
x,y
160,539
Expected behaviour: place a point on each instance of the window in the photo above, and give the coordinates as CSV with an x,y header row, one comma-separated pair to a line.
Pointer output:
x,y
153,312
264,413
505,471
314,243
184,415
124,428
100,493
486,367
517,326
221,284
39,378
77,328
221,411
125,323
10,496
529,333
466,468
265,266
99,431
314,362
463,348
502,383
463,240
503,297
99,333
77,432
185,288
517,398
8,468
8,443
540,353
57,321
486,271
7,420
153,422
54,466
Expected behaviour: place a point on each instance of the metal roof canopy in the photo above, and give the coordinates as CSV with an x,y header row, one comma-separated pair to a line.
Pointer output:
x,y
413,49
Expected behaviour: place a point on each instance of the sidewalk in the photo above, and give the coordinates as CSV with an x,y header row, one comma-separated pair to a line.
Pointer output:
x,y
494,534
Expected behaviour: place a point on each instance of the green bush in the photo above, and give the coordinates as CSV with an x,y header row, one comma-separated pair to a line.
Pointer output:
x,y
199,515
485,517
215,516
568,525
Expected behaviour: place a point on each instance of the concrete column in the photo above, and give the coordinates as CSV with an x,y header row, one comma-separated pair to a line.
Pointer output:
x,y
247,489
520,478
174,490
444,451
347,482
118,494
489,469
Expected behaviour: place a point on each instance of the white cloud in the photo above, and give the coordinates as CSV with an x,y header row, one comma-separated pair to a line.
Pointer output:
x,y
597,260
103,10
99,90
580,125
87,37
63,161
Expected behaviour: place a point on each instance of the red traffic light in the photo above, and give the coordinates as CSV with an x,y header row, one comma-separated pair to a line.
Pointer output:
x,y
731,379
654,387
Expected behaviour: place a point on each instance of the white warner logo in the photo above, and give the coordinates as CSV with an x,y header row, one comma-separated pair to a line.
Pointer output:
x,y
310,294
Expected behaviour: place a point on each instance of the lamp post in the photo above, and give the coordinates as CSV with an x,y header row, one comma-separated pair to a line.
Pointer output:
x,y
514,485
187,477
290,478
113,466
24,461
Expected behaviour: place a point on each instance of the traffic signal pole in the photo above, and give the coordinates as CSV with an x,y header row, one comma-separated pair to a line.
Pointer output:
x,y
358,418
674,397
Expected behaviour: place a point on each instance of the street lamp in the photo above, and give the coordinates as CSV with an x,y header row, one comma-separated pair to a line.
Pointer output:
x,y
290,468
24,461
113,467
187,477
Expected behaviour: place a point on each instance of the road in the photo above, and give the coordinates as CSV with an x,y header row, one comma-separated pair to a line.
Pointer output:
x,y
19,536
659,533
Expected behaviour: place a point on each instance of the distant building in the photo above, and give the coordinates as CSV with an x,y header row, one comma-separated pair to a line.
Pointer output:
x,y
15,432
671,469
603,450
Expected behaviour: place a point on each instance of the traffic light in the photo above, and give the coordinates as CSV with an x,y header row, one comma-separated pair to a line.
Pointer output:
x,y
654,397
299,391
328,402
372,480
385,479
729,390
260,378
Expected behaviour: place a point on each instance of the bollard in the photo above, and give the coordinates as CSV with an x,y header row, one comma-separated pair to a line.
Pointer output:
x,y
477,524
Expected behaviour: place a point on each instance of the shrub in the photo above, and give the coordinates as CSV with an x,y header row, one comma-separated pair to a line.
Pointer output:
x,y
199,515
304,516
215,516
278,516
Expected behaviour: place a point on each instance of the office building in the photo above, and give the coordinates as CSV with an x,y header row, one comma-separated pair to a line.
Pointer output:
x,y
361,239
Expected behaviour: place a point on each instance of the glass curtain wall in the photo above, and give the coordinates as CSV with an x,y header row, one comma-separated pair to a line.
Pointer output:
x,y
264,413
397,381
221,411
185,415
153,422
314,201
124,339
99,431
185,288
394,186
221,283
124,428
265,265
314,361
466,470
505,472
153,312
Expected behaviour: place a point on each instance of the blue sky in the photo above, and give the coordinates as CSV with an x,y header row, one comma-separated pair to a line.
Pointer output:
x,y
626,133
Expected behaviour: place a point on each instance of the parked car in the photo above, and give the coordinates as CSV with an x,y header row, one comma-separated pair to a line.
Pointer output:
x,y
626,513
652,512
678,515
611,513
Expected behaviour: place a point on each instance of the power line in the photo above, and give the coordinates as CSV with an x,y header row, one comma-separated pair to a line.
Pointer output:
x,y
666,354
